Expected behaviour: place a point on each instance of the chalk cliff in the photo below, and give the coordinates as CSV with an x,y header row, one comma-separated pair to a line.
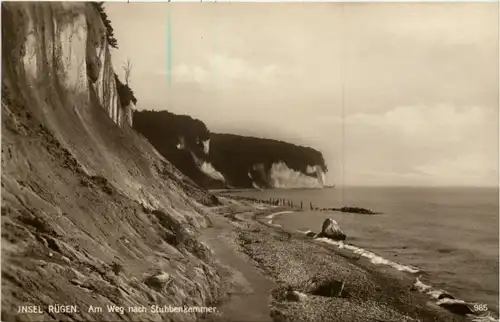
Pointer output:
x,y
182,140
225,160
266,163
92,214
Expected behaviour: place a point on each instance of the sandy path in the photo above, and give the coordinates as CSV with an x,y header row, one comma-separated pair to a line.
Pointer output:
x,y
250,289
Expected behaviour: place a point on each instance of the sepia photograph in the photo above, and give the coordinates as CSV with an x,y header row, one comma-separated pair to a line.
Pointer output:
x,y
250,161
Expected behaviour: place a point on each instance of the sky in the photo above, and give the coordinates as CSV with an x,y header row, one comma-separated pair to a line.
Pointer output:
x,y
391,93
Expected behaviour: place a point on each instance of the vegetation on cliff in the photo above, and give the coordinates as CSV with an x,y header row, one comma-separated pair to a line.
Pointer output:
x,y
236,155
110,33
179,137
170,129
125,93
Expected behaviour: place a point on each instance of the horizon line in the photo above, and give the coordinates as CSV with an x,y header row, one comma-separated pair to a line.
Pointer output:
x,y
299,1
411,186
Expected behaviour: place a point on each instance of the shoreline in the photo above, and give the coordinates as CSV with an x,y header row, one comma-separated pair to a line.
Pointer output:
x,y
374,258
232,190
276,251
283,202
271,216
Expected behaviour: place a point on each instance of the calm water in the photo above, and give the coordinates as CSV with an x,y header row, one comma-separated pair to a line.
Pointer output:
x,y
450,234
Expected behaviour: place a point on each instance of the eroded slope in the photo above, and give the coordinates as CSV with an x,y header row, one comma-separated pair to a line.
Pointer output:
x,y
90,211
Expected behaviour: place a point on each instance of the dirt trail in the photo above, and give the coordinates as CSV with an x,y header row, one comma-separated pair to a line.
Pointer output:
x,y
249,290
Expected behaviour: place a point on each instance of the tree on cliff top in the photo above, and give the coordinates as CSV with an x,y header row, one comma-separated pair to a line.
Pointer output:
x,y
110,34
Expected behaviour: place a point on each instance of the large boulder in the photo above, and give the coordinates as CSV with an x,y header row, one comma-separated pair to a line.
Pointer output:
x,y
331,230
456,306
324,286
329,288
296,296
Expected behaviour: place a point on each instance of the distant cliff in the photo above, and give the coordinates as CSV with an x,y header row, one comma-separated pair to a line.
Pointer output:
x,y
266,163
182,140
225,160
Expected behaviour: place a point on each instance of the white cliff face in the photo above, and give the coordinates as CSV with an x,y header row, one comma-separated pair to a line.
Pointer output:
x,y
206,146
204,166
256,186
65,46
72,43
207,167
105,85
29,60
209,170
318,171
78,58
128,114
311,169
181,145
280,176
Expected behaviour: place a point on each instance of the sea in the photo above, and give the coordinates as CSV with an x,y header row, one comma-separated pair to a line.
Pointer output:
x,y
449,234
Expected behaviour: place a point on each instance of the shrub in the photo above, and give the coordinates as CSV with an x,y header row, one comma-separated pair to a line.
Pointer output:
x,y
110,36
125,93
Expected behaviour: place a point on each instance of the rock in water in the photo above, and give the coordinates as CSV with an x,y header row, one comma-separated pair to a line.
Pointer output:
x,y
454,306
311,234
445,296
331,230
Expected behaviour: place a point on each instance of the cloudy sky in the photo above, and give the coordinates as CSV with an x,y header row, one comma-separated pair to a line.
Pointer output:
x,y
391,93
